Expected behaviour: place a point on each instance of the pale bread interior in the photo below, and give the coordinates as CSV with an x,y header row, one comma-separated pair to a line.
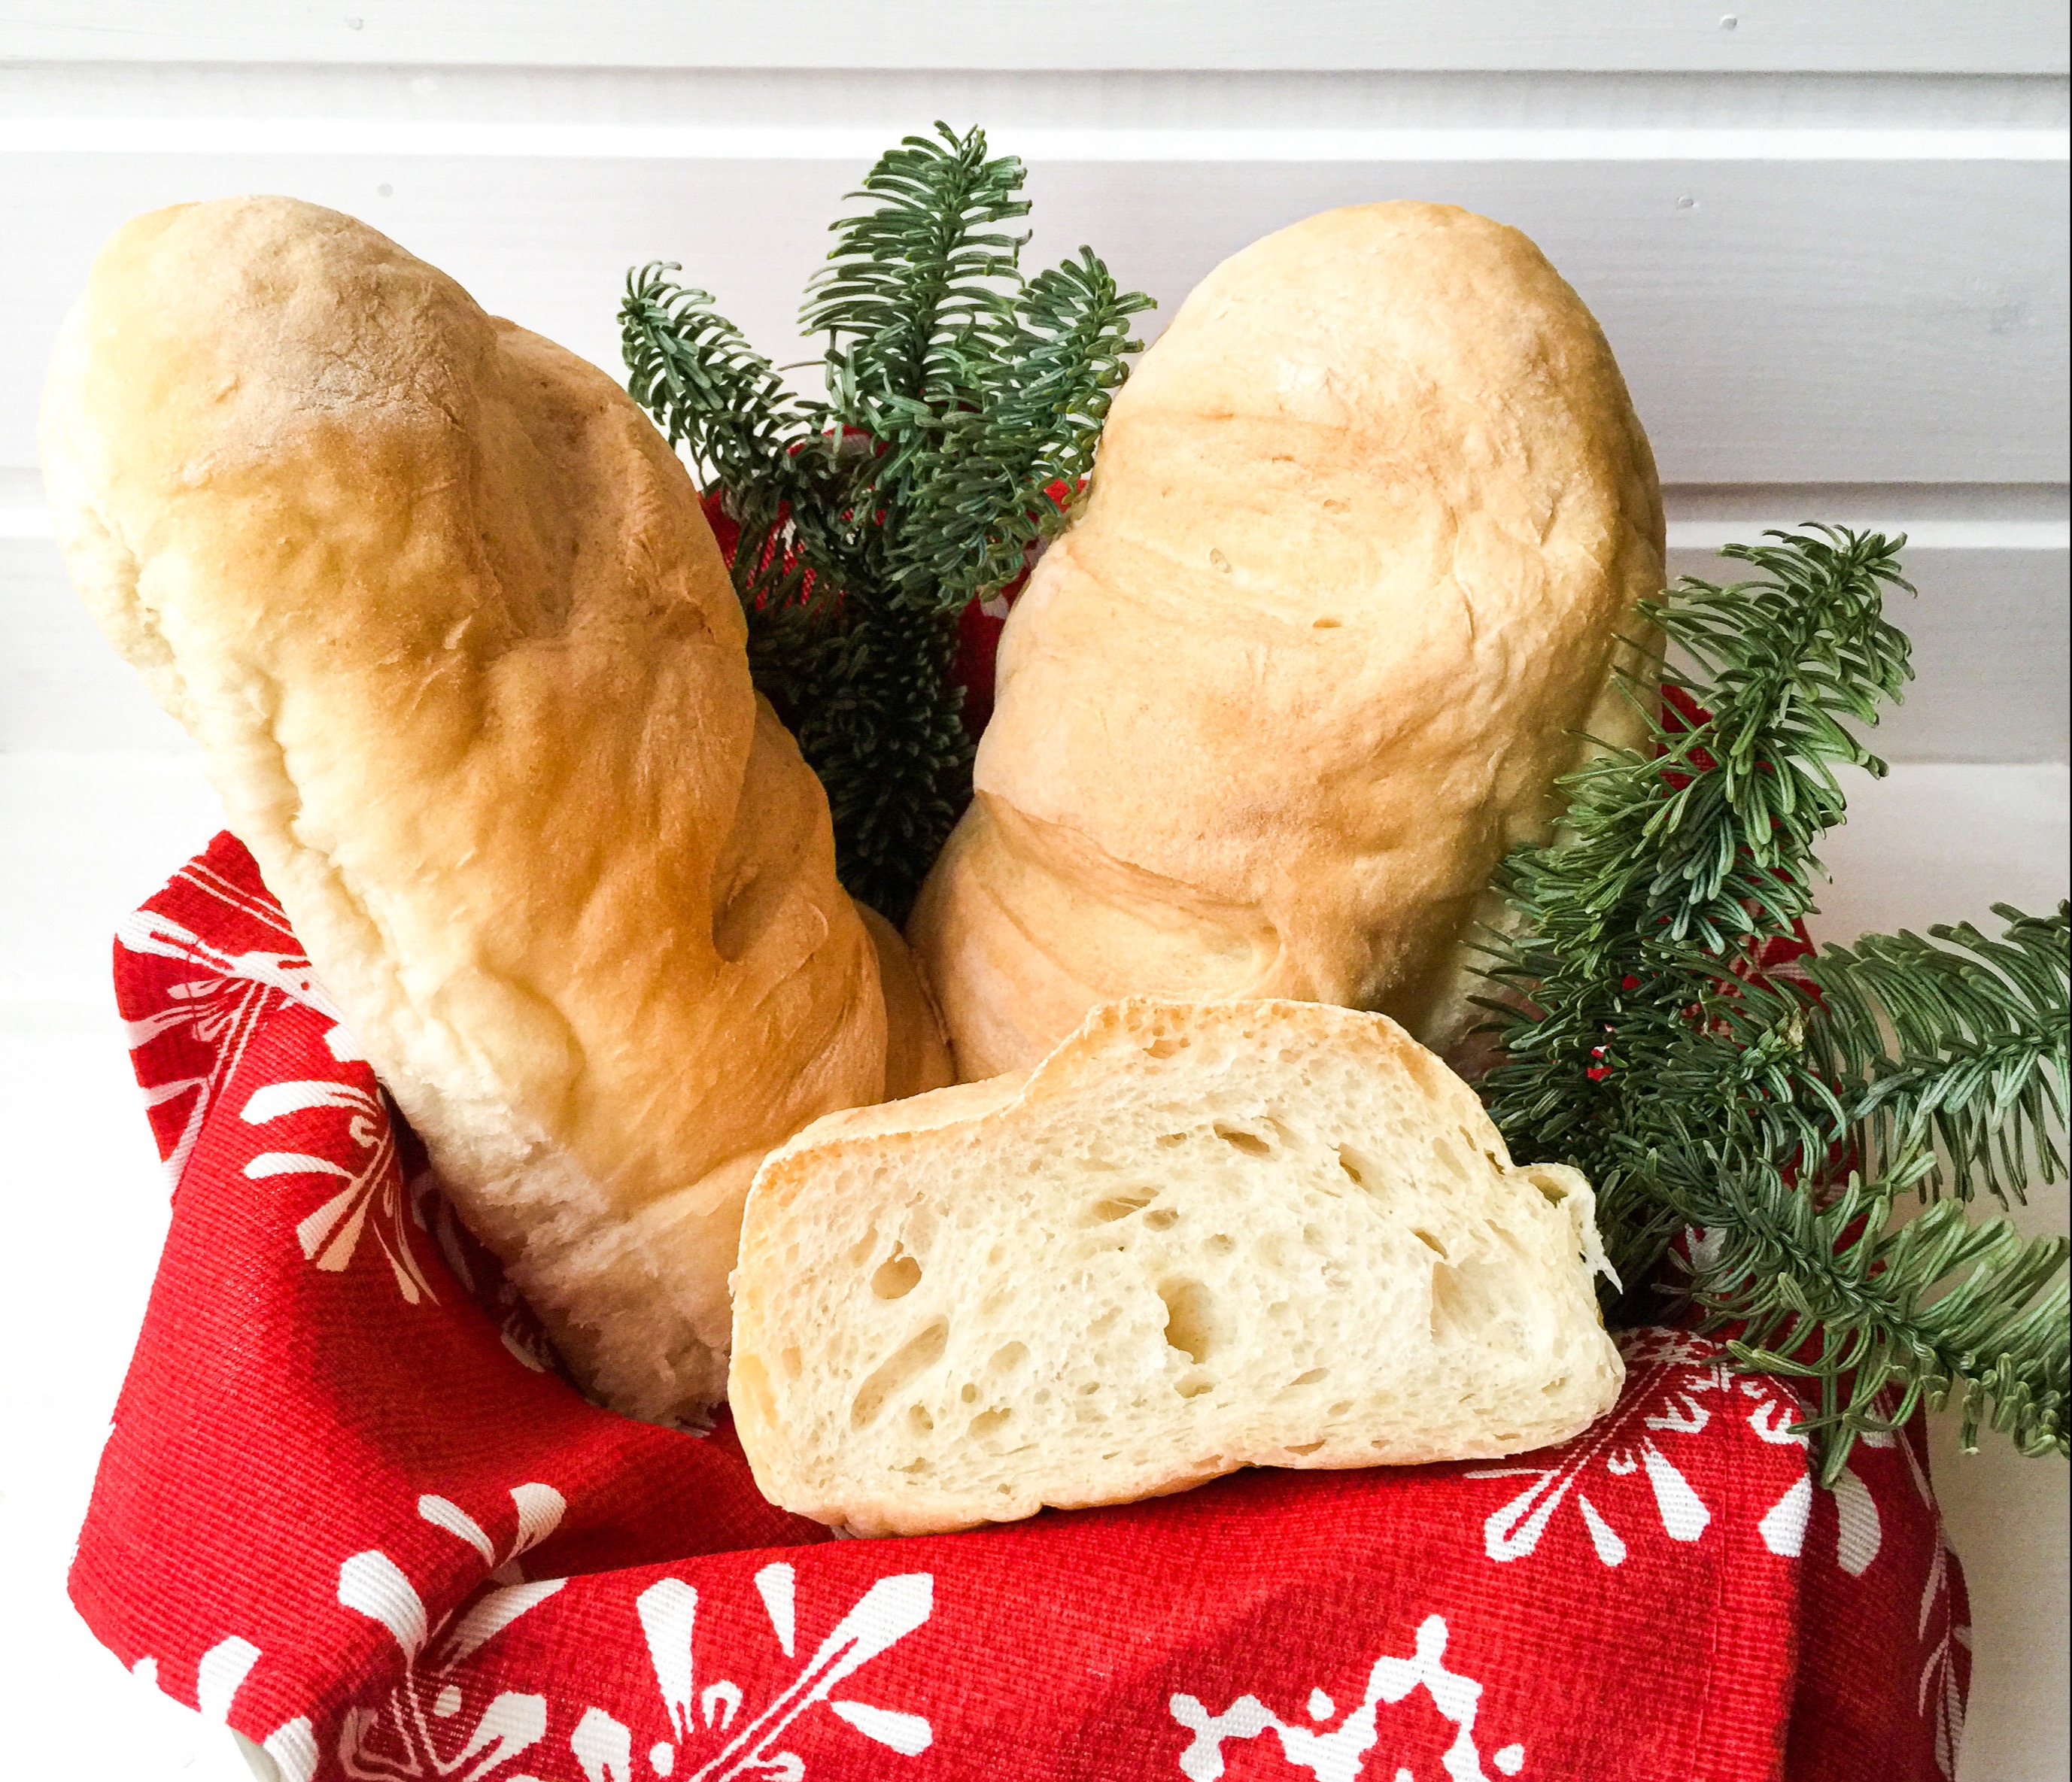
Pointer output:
x,y
1197,1237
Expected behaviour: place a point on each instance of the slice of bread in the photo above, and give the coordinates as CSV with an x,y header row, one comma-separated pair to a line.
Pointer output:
x,y
1197,1237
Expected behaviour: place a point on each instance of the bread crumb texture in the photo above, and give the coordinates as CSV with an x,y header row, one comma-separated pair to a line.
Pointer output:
x,y
1197,1237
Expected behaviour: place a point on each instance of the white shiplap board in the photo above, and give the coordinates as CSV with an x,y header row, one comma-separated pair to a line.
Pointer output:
x,y
1778,321
1943,36
1989,632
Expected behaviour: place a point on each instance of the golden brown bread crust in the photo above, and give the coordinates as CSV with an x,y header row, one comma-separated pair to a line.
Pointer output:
x,y
1367,525
441,609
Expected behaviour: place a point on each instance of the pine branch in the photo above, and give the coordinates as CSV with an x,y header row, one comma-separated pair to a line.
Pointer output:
x,y
957,396
1882,1319
726,406
1958,1042
1751,1138
707,389
915,299
975,485
897,769
1681,862
1785,1112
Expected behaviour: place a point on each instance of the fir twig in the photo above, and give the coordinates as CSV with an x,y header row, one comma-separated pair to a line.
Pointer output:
x,y
1881,1318
1957,1041
961,410
1783,1115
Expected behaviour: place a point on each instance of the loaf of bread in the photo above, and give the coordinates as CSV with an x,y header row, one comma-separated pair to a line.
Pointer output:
x,y
440,607
1346,595
1196,1238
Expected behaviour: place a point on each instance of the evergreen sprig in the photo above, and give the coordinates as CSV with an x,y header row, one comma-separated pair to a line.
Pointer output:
x,y
1880,1316
1784,1113
961,410
1958,1042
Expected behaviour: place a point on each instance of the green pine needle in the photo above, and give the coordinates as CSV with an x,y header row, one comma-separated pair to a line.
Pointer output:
x,y
1785,1115
958,396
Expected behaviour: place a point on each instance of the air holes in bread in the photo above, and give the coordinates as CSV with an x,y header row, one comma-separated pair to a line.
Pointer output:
x,y
897,1276
792,1362
1320,625
1552,1189
859,1252
1167,1046
1219,562
1465,1303
1179,1302
1250,1144
1121,1206
913,1357
1191,1316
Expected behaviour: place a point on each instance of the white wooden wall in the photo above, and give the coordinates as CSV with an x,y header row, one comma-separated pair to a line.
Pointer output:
x,y
1828,238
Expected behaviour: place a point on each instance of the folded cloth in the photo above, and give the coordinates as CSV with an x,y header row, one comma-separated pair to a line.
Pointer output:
x,y
349,1507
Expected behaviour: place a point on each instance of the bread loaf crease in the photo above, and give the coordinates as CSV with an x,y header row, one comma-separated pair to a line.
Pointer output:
x,y
440,609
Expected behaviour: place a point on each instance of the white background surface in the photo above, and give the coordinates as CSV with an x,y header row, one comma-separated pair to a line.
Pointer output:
x,y
1828,242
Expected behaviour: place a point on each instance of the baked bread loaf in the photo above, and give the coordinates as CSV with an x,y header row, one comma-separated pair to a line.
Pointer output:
x,y
440,608
1196,1238
1366,531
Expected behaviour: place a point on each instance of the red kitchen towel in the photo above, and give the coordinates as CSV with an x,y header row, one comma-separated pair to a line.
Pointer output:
x,y
349,1507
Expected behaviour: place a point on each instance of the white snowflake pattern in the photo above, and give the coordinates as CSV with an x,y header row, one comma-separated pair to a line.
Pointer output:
x,y
1940,1693
372,1199
223,1005
421,1730
1339,1753
1678,1385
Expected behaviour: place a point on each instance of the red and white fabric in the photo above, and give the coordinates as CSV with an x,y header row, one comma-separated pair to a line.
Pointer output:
x,y
349,1507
